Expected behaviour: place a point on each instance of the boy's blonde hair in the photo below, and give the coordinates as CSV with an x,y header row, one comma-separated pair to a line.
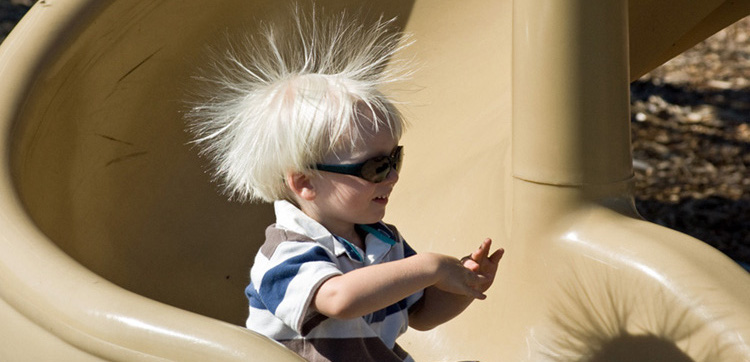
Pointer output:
x,y
289,99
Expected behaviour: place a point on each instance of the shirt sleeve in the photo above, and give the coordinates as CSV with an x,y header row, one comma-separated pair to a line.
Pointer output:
x,y
287,281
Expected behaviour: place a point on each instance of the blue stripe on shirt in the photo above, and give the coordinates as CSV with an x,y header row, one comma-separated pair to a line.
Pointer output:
x,y
254,297
276,280
408,251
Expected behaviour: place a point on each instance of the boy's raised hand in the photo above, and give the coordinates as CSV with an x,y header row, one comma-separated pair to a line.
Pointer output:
x,y
454,277
473,274
484,264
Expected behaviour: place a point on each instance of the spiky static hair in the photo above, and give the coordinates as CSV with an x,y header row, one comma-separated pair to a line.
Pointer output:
x,y
289,98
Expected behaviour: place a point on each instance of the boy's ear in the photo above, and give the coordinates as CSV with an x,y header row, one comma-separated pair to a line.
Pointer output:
x,y
301,185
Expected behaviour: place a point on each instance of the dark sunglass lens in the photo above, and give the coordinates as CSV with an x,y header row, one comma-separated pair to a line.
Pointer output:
x,y
376,170
398,159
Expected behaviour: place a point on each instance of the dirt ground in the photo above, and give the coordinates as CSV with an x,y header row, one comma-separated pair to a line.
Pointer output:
x,y
691,138
691,142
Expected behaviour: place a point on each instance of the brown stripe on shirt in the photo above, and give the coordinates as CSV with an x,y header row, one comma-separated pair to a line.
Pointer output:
x,y
276,236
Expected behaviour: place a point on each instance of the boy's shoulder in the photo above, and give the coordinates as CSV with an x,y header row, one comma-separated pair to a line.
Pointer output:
x,y
279,234
276,235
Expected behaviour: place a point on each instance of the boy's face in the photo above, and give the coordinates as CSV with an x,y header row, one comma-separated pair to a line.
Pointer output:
x,y
344,200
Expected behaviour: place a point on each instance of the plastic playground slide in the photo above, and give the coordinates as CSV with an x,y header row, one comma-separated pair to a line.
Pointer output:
x,y
115,245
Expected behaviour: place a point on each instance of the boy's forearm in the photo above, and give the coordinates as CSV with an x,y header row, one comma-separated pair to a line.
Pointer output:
x,y
375,287
437,308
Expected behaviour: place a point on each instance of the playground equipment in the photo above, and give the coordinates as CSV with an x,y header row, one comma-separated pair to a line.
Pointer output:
x,y
114,245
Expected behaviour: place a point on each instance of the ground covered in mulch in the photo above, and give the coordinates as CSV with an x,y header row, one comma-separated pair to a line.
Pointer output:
x,y
691,138
691,142
10,12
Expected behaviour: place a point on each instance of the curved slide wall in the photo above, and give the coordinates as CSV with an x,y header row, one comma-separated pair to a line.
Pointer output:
x,y
116,246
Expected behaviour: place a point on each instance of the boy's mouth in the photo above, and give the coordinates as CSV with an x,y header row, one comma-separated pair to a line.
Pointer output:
x,y
381,199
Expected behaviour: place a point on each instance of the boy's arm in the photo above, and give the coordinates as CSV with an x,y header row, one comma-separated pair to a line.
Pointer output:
x,y
439,306
435,308
375,287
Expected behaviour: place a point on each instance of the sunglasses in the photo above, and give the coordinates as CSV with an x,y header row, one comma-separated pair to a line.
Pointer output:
x,y
375,170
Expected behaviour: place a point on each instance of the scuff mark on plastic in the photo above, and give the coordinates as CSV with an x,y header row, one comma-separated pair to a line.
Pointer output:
x,y
113,139
126,157
129,72
139,65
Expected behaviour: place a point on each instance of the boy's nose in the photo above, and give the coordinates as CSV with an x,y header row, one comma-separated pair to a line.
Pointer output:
x,y
392,176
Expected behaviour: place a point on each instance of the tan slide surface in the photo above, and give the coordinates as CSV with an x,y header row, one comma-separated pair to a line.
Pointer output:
x,y
115,245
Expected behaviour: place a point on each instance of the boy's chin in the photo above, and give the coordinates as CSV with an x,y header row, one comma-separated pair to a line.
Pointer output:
x,y
374,218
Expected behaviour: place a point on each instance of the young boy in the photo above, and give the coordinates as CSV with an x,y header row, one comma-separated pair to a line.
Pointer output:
x,y
302,123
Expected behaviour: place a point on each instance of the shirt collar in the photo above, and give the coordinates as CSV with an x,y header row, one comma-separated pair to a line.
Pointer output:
x,y
291,218
378,241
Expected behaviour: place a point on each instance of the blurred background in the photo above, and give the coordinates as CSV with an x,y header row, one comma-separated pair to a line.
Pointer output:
x,y
690,123
10,12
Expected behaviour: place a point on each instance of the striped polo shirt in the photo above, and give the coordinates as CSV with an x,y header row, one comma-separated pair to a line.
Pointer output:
x,y
299,254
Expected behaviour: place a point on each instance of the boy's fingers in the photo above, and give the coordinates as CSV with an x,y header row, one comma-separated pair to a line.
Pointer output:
x,y
474,267
478,294
497,255
470,264
483,251
476,254
475,293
